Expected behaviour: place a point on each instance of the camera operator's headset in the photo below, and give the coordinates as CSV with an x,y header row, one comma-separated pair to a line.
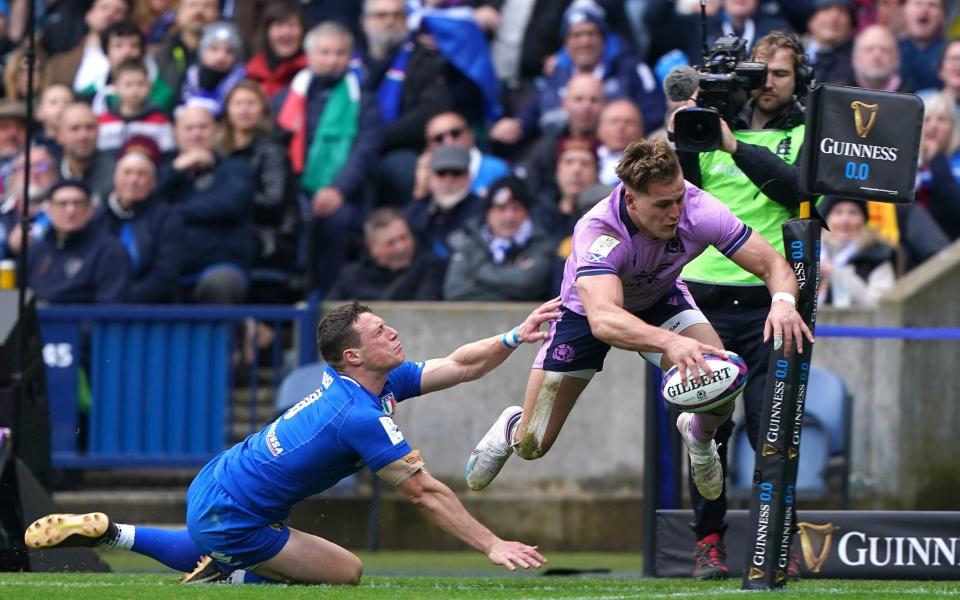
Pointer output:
x,y
803,75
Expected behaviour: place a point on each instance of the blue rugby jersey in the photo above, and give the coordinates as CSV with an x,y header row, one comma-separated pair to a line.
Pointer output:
x,y
334,432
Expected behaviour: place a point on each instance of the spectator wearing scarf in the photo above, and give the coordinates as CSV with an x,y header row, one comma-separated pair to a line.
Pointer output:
x,y
220,67
336,133
505,258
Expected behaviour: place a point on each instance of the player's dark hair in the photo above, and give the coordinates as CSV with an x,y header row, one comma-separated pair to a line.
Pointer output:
x,y
648,161
337,331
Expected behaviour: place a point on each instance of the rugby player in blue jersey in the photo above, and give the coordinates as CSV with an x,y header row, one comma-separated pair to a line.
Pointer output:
x,y
237,503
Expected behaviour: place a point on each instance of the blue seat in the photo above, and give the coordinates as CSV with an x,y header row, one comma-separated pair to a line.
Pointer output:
x,y
812,471
831,404
297,385
824,443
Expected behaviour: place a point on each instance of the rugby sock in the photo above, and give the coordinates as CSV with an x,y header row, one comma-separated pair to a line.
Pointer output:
x,y
512,428
704,425
174,548
240,576
123,540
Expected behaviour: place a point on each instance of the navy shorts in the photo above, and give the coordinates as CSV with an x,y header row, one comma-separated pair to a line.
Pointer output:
x,y
572,347
228,532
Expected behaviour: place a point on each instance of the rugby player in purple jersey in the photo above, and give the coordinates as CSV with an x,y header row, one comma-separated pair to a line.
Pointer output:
x,y
622,288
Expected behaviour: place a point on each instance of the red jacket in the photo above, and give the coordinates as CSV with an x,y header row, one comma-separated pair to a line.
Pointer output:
x,y
272,80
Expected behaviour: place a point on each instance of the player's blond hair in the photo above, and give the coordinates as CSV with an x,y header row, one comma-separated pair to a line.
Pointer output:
x,y
648,161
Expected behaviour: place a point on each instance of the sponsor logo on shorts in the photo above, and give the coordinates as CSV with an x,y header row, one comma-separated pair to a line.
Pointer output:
x,y
563,353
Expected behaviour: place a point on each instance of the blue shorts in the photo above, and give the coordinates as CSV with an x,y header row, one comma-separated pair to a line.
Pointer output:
x,y
572,347
232,535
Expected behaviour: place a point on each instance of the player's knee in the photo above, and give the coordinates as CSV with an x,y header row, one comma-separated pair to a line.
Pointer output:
x,y
529,447
353,572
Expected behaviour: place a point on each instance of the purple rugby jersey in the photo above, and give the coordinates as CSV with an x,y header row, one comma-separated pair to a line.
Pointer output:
x,y
606,242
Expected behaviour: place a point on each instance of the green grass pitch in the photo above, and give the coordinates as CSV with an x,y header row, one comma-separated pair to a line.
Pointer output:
x,y
424,575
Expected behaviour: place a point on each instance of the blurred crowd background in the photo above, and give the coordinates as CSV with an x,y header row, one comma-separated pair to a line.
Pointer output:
x,y
255,151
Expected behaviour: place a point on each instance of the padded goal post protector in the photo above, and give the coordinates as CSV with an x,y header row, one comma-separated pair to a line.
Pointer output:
x,y
861,143
771,519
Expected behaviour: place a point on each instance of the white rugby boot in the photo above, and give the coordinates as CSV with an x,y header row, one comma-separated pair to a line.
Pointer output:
x,y
704,460
493,450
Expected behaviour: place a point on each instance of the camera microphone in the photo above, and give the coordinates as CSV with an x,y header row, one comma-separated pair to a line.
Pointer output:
x,y
681,83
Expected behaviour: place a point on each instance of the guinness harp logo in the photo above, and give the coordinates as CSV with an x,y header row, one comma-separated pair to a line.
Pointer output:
x,y
792,452
815,543
755,573
768,450
864,117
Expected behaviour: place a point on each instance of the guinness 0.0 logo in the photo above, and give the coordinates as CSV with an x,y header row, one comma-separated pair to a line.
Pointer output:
x,y
864,117
815,543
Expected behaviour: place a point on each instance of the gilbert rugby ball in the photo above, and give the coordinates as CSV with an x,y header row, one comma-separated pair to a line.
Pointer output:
x,y
704,392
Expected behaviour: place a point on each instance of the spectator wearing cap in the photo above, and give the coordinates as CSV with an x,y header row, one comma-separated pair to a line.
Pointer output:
x,y
505,257
43,174
336,133
214,197
247,134
451,127
147,228
179,50
77,135
280,55
132,113
440,219
588,48
620,123
394,266
583,101
829,42
13,129
856,266
577,169
86,64
219,67
76,261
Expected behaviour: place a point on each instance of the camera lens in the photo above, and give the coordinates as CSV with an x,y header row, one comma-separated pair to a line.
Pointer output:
x,y
697,130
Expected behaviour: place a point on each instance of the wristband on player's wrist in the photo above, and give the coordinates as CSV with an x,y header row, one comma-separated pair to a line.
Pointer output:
x,y
784,297
511,339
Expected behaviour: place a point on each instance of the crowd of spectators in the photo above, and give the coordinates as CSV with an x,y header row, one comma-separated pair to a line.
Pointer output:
x,y
224,152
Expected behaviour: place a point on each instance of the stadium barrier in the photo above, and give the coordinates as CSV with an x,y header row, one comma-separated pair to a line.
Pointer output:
x,y
155,384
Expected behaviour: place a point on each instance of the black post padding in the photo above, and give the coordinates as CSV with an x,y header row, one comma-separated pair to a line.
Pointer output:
x,y
771,521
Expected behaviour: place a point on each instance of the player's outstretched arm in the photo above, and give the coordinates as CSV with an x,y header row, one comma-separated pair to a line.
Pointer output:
x,y
602,297
784,323
476,359
439,504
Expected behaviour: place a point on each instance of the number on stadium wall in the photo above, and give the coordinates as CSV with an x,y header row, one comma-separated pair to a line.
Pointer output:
x,y
58,355
855,170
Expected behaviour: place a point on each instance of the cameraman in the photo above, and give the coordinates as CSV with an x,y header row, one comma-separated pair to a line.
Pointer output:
x,y
754,174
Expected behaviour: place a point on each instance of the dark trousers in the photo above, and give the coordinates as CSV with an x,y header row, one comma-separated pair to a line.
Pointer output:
x,y
737,315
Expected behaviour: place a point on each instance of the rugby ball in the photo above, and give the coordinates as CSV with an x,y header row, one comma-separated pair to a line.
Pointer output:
x,y
704,392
